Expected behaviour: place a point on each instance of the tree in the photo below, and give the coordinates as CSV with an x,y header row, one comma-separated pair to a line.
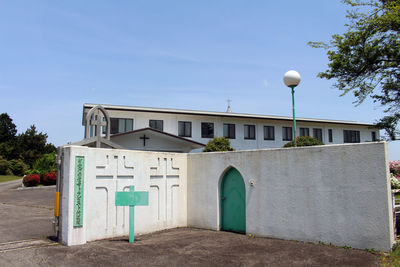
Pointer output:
x,y
8,130
8,139
304,141
33,145
218,144
366,58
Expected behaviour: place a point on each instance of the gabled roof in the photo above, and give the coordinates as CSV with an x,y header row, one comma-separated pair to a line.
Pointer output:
x,y
222,114
161,134
91,142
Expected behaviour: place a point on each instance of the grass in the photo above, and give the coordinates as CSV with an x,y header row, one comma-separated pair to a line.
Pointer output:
x,y
6,178
397,198
392,258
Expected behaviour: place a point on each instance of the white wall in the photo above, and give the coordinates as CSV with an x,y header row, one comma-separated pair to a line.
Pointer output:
x,y
154,143
337,194
163,175
141,120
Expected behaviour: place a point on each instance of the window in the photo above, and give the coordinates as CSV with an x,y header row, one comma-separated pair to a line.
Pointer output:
x,y
104,128
373,136
249,131
351,136
287,134
119,125
269,133
304,132
156,124
207,130
185,128
330,135
229,130
317,133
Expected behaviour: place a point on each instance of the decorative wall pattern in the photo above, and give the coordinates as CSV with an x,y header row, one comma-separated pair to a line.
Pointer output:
x,y
109,171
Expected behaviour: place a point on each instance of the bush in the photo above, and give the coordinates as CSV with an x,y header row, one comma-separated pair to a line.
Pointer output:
x,y
218,144
31,180
17,167
45,164
4,164
304,141
394,167
49,178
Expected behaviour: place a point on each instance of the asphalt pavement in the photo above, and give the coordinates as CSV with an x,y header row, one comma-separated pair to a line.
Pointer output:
x,y
26,223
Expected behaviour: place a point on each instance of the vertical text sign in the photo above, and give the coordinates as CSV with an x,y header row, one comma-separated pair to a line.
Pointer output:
x,y
78,190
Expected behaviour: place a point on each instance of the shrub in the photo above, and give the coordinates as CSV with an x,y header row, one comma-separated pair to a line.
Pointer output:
x,y
45,164
304,141
394,167
17,167
31,180
4,164
218,144
49,178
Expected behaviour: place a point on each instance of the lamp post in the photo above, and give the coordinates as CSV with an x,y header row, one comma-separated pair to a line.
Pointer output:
x,y
292,79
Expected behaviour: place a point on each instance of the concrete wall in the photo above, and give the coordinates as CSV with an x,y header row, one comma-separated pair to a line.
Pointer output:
x,y
106,171
337,194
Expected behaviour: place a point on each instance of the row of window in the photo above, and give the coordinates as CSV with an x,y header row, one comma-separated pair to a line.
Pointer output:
x,y
207,130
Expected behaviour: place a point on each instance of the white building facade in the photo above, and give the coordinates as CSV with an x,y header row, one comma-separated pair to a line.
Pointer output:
x,y
245,131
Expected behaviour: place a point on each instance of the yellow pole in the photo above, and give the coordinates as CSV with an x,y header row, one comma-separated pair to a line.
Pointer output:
x,y
57,204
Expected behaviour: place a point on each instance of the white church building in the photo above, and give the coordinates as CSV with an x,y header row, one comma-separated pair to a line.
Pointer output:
x,y
337,193
178,130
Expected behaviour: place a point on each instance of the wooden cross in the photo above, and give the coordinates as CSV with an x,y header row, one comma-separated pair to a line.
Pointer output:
x,y
144,137
132,199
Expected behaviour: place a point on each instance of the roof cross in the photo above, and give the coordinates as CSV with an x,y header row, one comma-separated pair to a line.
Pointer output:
x,y
144,138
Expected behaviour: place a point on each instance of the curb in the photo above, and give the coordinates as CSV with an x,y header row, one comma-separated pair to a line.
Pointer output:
x,y
36,187
11,182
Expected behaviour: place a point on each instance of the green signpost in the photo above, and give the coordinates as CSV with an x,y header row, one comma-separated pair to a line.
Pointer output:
x,y
131,199
78,190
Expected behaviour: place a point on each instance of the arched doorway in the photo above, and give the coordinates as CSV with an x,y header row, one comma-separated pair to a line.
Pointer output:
x,y
233,202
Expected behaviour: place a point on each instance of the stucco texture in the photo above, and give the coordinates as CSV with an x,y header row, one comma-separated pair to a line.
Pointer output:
x,y
338,194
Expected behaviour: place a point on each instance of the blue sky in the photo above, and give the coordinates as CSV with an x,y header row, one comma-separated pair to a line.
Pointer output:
x,y
55,56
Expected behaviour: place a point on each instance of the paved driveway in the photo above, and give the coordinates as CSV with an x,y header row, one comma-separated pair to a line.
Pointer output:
x,y
25,214
28,214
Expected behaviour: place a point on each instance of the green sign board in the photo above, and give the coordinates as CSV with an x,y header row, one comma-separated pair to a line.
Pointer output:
x,y
132,199
78,190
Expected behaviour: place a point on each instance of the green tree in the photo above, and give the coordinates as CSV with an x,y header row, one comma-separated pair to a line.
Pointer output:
x,y
33,145
4,164
218,144
45,164
8,138
365,60
304,141
8,130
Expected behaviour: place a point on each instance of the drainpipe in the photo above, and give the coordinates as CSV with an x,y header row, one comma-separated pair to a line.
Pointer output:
x,y
57,197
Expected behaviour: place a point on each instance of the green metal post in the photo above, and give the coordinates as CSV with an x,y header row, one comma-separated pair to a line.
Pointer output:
x,y
294,117
132,223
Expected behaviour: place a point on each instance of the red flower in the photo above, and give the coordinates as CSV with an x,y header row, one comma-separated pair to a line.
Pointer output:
x,y
50,178
31,180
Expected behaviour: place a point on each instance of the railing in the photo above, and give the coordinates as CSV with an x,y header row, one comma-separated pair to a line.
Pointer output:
x,y
396,212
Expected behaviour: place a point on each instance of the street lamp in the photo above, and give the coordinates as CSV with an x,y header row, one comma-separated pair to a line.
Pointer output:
x,y
292,79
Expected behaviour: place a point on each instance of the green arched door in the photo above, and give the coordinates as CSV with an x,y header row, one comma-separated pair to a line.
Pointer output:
x,y
233,202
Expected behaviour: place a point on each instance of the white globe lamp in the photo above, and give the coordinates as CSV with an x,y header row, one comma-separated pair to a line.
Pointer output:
x,y
292,79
